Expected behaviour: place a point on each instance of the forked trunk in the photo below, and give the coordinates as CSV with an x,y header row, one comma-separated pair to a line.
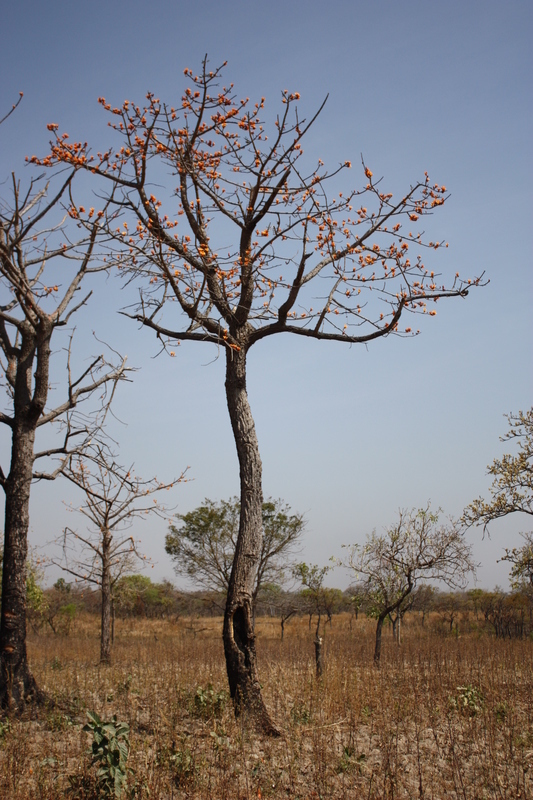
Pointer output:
x,y
238,632
17,685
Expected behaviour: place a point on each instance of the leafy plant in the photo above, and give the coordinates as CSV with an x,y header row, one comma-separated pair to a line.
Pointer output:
x,y
182,766
349,762
208,703
5,727
468,700
110,749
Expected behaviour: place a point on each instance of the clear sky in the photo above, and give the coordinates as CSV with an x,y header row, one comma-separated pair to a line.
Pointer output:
x,y
347,434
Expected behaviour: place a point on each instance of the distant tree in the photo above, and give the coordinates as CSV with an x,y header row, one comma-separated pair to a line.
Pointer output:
x,y
507,613
61,607
450,606
137,596
317,598
248,242
44,258
423,600
521,559
474,596
415,548
113,498
355,597
203,546
279,602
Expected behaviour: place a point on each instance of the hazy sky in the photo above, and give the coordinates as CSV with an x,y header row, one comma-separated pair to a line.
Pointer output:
x,y
347,434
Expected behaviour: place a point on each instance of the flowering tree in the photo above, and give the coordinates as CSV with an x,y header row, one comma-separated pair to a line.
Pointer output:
x,y
41,271
248,242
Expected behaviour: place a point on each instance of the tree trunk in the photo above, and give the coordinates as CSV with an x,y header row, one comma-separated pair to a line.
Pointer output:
x,y
105,632
238,632
377,649
319,656
113,615
17,685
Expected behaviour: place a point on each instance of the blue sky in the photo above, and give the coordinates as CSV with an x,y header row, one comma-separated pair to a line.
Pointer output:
x,y
347,435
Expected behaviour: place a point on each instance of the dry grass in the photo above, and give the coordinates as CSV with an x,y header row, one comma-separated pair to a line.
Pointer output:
x,y
403,731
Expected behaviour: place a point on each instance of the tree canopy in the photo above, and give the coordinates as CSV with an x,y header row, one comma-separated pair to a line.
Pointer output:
x,y
203,545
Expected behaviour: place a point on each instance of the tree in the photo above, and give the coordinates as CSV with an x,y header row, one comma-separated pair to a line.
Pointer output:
x,y
416,547
61,607
317,598
512,485
252,243
114,497
450,606
136,595
279,602
204,545
521,559
41,269
511,492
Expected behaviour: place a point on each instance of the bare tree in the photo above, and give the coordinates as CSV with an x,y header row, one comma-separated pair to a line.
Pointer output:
x,y
114,497
41,269
415,548
252,244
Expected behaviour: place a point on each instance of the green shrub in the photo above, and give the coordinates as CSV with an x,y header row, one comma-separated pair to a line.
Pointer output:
x,y
110,748
208,703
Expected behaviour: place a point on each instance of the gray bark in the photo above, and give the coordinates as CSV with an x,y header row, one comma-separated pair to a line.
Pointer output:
x,y
238,631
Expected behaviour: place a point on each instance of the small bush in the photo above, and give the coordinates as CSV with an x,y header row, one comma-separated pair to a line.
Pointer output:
x,y
468,700
208,703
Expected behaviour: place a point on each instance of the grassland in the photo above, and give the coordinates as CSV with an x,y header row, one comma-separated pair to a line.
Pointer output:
x,y
444,717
